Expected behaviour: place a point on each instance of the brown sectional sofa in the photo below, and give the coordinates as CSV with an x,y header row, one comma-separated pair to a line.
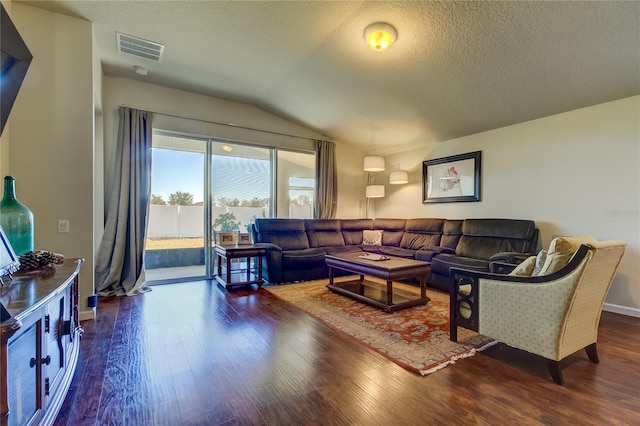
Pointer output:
x,y
296,247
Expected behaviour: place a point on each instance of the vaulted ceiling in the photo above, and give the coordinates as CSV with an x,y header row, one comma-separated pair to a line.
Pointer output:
x,y
457,68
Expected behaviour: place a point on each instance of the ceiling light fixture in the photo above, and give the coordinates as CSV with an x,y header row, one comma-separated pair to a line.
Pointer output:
x,y
380,36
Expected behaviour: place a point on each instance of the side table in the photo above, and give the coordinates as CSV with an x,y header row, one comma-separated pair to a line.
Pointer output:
x,y
230,278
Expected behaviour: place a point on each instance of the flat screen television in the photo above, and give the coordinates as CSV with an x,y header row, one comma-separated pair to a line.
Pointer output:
x,y
15,58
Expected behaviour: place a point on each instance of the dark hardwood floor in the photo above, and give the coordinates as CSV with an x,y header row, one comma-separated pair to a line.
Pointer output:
x,y
195,354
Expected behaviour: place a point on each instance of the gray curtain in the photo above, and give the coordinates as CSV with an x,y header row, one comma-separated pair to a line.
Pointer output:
x,y
325,200
120,262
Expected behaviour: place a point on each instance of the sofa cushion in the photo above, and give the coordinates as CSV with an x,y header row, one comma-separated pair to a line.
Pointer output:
x,y
323,232
288,234
421,233
482,238
485,247
424,226
398,252
301,259
561,250
451,233
372,237
500,228
393,230
286,240
416,241
442,264
342,249
352,230
428,253
279,225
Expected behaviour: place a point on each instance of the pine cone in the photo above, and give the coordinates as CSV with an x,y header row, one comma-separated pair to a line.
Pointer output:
x,y
40,259
29,261
47,257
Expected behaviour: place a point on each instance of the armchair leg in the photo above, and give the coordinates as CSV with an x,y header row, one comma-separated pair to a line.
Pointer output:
x,y
453,326
556,374
592,353
453,332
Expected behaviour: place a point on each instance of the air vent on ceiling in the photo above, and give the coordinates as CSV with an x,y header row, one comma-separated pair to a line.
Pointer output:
x,y
139,47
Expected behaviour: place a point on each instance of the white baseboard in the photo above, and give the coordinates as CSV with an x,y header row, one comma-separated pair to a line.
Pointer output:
x,y
87,315
622,310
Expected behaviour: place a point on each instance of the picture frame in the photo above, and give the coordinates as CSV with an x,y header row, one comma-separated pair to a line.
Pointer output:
x,y
226,238
9,261
452,179
244,238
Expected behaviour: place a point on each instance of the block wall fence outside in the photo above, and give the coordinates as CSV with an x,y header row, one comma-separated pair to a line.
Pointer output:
x,y
188,221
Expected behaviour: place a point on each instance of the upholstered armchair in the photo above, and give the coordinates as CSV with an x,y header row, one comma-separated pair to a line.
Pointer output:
x,y
550,307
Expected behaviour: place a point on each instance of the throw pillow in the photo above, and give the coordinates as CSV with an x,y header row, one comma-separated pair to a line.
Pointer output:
x,y
561,250
540,259
371,238
525,268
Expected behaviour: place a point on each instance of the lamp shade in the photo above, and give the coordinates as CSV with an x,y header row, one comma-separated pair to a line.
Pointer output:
x,y
373,164
375,191
398,177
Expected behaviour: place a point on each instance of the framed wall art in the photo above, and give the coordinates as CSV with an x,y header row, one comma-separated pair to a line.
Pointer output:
x,y
452,179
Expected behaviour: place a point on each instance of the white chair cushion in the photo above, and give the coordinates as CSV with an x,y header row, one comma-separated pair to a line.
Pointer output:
x,y
525,268
561,250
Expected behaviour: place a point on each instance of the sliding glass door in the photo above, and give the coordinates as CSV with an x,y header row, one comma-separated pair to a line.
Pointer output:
x,y
296,180
241,185
202,186
175,245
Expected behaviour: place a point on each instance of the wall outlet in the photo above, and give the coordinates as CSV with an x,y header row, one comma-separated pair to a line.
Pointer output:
x,y
63,226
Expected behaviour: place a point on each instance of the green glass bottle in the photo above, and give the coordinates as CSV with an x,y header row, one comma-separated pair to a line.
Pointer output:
x,y
16,219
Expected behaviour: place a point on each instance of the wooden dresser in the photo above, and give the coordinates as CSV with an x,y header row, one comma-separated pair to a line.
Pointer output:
x,y
39,344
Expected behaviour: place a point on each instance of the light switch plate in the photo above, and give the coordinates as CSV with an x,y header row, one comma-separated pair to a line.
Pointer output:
x,y
63,226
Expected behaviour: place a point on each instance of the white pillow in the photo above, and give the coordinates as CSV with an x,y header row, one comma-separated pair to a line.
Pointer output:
x,y
371,238
540,259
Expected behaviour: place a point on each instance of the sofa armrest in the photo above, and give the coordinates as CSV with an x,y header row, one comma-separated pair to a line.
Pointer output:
x,y
513,257
427,254
269,246
501,267
272,265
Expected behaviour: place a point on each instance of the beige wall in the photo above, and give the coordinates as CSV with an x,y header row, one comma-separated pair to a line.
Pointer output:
x,y
573,173
51,147
205,110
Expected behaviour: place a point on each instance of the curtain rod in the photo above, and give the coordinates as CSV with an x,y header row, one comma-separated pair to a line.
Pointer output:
x,y
225,124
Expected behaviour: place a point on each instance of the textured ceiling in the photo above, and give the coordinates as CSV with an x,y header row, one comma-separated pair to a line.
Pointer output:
x,y
457,68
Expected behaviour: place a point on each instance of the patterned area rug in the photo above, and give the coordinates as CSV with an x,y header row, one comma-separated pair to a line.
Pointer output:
x,y
415,338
